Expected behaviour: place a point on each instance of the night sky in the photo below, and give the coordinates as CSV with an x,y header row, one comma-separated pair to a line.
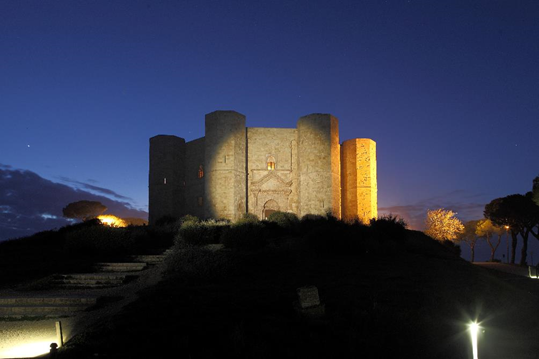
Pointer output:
x,y
449,90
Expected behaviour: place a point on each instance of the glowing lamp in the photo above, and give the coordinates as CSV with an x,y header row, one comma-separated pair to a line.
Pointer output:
x,y
474,330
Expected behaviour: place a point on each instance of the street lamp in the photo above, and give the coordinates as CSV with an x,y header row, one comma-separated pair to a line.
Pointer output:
x,y
507,239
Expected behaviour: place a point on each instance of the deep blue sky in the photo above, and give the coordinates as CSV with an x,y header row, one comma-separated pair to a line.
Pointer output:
x,y
449,90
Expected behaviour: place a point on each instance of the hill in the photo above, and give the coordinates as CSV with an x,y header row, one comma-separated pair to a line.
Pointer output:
x,y
412,298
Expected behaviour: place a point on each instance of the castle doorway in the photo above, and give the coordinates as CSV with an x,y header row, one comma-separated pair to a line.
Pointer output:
x,y
270,207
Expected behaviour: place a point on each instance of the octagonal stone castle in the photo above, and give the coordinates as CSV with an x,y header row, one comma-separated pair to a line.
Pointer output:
x,y
236,169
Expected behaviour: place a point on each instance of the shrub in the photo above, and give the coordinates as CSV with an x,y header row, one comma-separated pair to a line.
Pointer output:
x,y
189,218
455,248
202,233
388,227
309,221
99,241
245,235
194,263
248,218
288,221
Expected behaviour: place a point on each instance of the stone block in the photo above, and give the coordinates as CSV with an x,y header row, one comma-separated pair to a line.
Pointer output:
x,y
308,296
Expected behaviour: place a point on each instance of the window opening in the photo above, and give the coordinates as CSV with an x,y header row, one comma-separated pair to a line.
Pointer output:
x,y
200,171
270,163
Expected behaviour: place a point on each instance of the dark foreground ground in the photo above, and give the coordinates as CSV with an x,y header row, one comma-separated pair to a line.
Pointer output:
x,y
410,300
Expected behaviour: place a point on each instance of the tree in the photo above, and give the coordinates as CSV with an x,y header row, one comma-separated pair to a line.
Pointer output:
x,y
442,225
469,236
535,191
520,213
84,210
486,229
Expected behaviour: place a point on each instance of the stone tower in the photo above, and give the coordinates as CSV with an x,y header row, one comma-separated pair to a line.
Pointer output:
x,y
319,165
167,177
359,183
225,160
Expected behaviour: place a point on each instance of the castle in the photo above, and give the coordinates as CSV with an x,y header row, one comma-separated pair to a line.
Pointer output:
x,y
236,169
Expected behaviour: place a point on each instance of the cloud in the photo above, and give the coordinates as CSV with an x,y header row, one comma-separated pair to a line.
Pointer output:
x,y
30,203
93,188
468,206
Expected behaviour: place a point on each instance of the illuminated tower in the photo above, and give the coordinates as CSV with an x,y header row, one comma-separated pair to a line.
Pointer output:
x,y
359,186
225,159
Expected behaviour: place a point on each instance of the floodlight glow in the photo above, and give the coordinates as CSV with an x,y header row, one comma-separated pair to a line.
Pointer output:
x,y
474,330
27,350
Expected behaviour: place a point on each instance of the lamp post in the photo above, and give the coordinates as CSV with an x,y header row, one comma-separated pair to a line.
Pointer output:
x,y
507,240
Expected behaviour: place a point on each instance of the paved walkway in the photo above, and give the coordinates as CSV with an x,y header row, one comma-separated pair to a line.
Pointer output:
x,y
21,339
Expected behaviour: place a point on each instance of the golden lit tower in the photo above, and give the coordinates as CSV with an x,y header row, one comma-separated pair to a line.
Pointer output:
x,y
359,185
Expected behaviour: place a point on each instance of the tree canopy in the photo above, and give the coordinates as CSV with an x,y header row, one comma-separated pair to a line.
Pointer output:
x,y
486,229
442,225
84,210
469,236
520,214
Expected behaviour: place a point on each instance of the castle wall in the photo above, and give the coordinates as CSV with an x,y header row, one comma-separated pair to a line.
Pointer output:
x,y
225,160
166,178
319,165
359,181
194,184
272,189
226,173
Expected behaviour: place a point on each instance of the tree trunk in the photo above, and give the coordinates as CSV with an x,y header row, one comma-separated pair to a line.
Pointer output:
x,y
513,246
473,253
524,251
494,247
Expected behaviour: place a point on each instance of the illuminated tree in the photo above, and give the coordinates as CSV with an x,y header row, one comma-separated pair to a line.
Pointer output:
x,y
469,236
486,229
84,210
442,225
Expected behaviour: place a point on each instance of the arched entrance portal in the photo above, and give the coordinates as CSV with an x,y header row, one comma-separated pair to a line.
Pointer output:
x,y
269,207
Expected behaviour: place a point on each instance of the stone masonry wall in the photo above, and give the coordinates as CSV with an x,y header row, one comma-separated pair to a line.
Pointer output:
x,y
225,160
194,186
166,178
359,182
278,186
317,137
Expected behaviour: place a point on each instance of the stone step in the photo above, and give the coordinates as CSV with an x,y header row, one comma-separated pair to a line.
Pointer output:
x,y
91,280
150,258
48,300
120,267
43,306
39,310
94,276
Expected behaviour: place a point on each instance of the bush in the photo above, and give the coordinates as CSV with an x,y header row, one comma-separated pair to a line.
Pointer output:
x,y
99,241
194,263
202,233
248,218
189,218
388,228
455,248
288,221
245,235
309,221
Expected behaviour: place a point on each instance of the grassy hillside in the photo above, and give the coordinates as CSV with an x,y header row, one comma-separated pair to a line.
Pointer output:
x,y
383,299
